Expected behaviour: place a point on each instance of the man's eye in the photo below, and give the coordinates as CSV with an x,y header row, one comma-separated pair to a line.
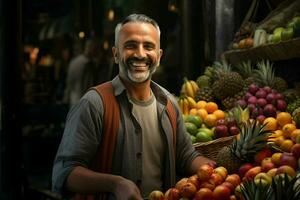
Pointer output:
x,y
129,46
149,47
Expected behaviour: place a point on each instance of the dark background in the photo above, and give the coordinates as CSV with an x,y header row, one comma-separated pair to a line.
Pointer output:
x,y
32,123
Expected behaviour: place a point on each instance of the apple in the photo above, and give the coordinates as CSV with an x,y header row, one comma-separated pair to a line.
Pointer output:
x,y
251,173
156,195
296,150
272,172
234,179
244,168
204,172
267,166
180,183
221,131
215,179
262,154
288,159
221,122
276,158
229,185
195,180
208,185
221,192
172,194
221,171
286,169
234,130
204,194
264,178
188,190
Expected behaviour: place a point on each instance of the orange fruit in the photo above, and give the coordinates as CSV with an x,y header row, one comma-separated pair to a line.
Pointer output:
x,y
271,123
210,120
193,111
202,113
283,118
201,104
286,145
211,107
288,129
294,134
220,114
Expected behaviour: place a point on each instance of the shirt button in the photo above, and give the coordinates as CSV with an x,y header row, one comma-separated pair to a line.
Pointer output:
x,y
139,154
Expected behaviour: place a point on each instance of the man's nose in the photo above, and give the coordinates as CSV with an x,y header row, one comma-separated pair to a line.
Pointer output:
x,y
140,52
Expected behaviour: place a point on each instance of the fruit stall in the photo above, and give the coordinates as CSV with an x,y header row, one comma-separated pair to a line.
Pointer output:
x,y
241,113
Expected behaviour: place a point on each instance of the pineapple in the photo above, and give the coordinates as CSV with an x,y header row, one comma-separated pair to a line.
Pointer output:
x,y
227,83
253,138
264,74
205,94
256,191
280,84
203,81
296,116
245,69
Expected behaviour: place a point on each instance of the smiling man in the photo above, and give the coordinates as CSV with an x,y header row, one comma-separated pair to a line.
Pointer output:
x,y
142,147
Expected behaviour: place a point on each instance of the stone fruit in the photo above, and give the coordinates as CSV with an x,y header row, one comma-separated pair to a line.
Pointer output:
x,y
276,158
195,180
244,168
215,179
208,185
288,159
188,190
251,173
264,153
204,172
180,183
266,166
172,194
156,195
234,179
229,185
296,150
221,192
286,169
204,194
221,171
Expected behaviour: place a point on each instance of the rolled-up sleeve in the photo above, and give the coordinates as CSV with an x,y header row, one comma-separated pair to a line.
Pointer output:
x,y
80,140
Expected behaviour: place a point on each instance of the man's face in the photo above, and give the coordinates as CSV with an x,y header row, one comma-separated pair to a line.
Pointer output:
x,y
138,51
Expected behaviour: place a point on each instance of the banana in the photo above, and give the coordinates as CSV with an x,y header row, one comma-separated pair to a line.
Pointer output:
x,y
189,89
195,86
180,103
186,108
192,102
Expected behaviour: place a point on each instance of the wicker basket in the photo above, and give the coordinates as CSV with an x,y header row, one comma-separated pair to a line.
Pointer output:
x,y
211,149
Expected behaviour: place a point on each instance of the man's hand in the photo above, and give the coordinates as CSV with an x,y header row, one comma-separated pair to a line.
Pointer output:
x,y
127,190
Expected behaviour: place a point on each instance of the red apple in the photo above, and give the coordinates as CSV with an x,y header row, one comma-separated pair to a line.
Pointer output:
x,y
288,159
204,194
296,150
195,180
267,166
234,179
180,183
221,192
251,173
215,179
188,190
234,130
221,131
172,194
204,172
266,152
244,168
156,195
286,169
229,185
208,185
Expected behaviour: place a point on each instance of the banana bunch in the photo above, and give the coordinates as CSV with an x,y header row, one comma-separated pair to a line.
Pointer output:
x,y
186,103
189,88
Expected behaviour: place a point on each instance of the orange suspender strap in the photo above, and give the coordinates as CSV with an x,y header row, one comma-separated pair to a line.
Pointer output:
x,y
111,119
173,120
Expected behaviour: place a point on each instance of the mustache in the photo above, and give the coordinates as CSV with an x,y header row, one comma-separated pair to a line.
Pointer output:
x,y
144,59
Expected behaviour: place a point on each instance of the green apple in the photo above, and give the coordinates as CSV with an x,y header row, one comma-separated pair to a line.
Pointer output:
x,y
276,37
287,33
263,178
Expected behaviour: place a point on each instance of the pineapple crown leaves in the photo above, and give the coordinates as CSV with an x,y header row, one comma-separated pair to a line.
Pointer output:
x,y
239,114
220,68
253,138
252,191
245,69
264,74
285,187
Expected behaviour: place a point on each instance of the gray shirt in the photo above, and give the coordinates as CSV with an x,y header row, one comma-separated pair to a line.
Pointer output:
x,y
83,132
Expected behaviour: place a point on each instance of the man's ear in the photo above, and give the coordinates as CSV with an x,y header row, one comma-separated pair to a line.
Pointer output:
x,y
115,54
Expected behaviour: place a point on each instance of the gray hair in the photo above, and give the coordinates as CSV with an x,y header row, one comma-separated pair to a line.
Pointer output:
x,y
135,18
